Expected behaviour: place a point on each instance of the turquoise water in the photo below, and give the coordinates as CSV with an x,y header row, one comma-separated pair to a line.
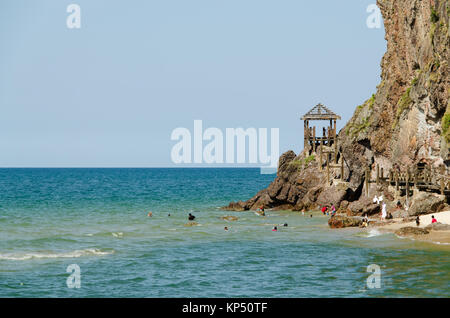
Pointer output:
x,y
97,219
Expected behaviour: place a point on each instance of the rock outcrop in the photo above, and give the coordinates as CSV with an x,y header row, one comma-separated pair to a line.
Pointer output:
x,y
438,227
424,202
339,221
405,121
409,230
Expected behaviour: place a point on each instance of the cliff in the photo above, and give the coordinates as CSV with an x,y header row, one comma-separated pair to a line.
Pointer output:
x,y
407,120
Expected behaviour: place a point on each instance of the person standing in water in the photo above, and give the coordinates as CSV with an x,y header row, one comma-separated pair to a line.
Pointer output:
x,y
150,214
261,210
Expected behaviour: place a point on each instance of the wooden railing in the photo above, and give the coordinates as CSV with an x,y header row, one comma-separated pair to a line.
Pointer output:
x,y
421,178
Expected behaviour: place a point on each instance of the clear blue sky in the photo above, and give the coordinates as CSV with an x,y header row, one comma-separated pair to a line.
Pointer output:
x,y
110,94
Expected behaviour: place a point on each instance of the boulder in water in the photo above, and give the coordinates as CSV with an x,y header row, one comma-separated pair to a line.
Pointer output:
x,y
341,221
229,218
236,206
410,230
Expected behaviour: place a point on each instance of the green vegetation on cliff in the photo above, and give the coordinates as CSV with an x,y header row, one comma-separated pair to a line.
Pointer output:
x,y
359,125
300,164
404,102
434,16
445,126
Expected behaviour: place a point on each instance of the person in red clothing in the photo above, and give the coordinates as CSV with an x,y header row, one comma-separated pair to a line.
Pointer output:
x,y
324,209
433,220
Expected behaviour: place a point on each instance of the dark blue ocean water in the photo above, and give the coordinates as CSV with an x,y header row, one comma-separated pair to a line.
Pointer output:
x,y
97,219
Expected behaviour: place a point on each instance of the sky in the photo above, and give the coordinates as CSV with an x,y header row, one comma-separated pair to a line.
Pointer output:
x,y
110,93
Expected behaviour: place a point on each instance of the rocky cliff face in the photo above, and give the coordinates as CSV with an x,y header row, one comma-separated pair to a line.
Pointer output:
x,y
405,121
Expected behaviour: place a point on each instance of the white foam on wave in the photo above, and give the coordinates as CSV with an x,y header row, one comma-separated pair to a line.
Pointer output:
x,y
118,234
441,243
373,232
41,255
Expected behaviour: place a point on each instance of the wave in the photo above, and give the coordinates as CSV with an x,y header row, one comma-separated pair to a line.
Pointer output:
x,y
369,233
441,243
373,232
42,255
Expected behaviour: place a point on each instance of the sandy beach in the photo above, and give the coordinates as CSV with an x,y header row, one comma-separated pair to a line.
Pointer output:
x,y
435,236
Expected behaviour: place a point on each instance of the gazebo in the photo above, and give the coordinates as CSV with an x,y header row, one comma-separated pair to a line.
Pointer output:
x,y
319,112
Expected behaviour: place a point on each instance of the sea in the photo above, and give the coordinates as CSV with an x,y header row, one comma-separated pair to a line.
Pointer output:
x,y
87,233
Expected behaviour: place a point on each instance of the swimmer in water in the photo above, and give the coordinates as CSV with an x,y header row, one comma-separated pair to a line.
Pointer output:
x,y
168,214
261,211
226,228
150,214
311,215
191,217
285,224
275,229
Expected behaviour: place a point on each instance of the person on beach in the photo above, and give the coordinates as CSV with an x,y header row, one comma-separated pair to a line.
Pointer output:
x,y
150,214
417,221
333,210
383,211
365,222
191,217
433,220
324,209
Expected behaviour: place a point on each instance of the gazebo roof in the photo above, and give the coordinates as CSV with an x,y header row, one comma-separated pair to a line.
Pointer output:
x,y
320,112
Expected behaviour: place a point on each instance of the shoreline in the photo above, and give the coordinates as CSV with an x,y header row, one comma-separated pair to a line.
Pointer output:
x,y
441,237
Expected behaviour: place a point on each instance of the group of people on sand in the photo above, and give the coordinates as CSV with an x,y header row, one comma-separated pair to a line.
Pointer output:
x,y
433,220
329,210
